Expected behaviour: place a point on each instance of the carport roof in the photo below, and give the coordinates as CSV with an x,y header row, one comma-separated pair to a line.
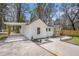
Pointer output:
x,y
14,23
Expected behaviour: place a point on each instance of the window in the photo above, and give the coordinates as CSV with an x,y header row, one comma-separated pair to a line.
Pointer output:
x,y
46,29
49,29
38,30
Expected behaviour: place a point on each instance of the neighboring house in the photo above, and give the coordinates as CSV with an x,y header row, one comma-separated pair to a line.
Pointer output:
x,y
57,27
57,30
37,29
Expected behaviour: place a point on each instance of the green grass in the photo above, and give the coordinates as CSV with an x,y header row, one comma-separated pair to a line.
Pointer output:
x,y
3,37
75,40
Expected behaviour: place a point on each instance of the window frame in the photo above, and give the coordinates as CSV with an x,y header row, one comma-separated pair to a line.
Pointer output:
x,y
49,29
38,30
46,29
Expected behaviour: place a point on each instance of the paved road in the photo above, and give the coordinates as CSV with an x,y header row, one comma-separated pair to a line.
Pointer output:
x,y
61,48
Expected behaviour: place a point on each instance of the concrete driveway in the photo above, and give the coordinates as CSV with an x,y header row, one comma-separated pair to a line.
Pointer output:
x,y
18,45
61,48
13,38
22,48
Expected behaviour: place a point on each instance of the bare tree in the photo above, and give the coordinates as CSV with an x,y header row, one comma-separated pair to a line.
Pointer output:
x,y
2,13
43,11
71,13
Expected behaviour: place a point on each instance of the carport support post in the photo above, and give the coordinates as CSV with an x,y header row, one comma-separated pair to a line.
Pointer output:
x,y
8,29
60,36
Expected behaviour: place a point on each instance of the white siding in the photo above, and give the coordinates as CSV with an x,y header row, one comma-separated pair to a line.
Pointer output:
x,y
31,30
49,33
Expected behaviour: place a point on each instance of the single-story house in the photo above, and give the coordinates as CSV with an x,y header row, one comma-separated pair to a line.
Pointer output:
x,y
37,29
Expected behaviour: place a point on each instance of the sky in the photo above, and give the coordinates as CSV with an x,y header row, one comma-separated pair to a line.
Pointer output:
x,y
31,6
58,13
57,6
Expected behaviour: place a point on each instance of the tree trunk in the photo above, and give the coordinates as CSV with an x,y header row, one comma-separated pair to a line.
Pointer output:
x,y
73,26
18,15
0,23
72,21
1,19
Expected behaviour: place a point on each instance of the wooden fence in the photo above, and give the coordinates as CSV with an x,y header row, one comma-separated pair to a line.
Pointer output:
x,y
70,32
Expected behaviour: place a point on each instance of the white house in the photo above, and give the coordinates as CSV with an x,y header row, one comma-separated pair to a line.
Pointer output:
x,y
37,29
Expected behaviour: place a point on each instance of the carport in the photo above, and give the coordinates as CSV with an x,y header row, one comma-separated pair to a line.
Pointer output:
x,y
10,25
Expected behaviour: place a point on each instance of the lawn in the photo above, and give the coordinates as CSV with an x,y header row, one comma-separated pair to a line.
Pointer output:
x,y
75,40
3,37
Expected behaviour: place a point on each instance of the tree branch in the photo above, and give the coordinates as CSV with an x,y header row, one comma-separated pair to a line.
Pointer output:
x,y
75,15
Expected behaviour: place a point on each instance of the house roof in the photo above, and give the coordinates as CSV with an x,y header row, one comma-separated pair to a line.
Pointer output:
x,y
43,22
